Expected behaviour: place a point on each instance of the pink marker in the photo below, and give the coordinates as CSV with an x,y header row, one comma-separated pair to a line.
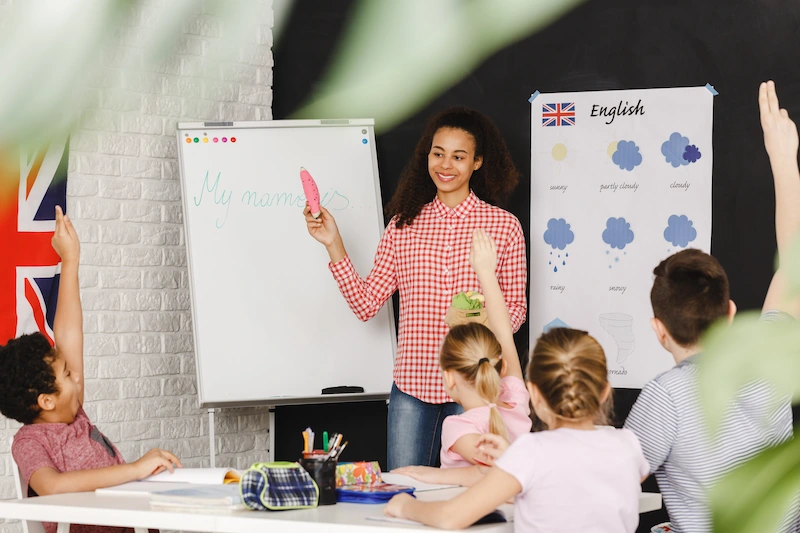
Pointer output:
x,y
311,192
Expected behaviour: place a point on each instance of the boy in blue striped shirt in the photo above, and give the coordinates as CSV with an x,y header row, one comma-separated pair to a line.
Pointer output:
x,y
690,292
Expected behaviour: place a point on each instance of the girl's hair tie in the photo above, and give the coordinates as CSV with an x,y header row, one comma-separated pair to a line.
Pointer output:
x,y
483,360
491,405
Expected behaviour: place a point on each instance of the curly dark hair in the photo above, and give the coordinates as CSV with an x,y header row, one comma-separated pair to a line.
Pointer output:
x,y
25,373
493,182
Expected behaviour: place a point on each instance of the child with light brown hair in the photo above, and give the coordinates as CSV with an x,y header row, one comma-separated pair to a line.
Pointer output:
x,y
481,370
546,472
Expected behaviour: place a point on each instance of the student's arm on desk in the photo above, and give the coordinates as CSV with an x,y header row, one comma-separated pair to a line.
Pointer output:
x,y
463,510
48,480
465,476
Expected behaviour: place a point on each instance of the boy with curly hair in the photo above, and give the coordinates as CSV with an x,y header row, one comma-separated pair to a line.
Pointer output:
x,y
58,449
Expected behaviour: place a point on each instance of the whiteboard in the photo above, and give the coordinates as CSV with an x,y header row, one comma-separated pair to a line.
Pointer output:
x,y
270,325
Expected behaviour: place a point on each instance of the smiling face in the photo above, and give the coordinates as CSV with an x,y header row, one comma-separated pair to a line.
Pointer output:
x,y
451,163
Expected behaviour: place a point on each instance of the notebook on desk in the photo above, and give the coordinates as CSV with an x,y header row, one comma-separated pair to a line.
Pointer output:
x,y
184,477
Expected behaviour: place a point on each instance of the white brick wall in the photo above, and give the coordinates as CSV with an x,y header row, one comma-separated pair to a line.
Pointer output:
x,y
124,198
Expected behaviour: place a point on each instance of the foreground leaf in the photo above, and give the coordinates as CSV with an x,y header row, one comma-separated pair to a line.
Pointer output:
x,y
755,497
750,350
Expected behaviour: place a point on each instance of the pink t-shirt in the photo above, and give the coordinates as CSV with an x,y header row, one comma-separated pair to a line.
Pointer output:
x,y
517,419
575,480
65,448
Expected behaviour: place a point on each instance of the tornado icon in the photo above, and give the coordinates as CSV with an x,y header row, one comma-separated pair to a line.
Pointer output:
x,y
620,326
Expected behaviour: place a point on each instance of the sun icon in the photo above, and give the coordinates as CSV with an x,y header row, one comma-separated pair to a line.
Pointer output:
x,y
604,150
557,159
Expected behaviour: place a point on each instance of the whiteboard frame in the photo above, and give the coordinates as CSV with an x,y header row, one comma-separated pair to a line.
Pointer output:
x,y
367,123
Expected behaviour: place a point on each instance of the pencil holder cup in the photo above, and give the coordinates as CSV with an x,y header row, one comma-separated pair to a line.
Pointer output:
x,y
324,474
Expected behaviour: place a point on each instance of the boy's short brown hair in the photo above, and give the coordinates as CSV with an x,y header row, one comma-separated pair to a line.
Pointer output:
x,y
690,292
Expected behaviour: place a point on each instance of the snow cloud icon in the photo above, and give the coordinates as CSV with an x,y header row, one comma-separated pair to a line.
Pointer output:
x,y
618,233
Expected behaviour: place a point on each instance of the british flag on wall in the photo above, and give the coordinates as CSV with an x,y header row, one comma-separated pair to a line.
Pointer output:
x,y
32,183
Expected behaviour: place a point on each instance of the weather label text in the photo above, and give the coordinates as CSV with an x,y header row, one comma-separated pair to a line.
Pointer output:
x,y
624,186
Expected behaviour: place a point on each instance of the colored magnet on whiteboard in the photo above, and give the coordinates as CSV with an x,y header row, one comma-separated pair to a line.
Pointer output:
x,y
533,96
711,89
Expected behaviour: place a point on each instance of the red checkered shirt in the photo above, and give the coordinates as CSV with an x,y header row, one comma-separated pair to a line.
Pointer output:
x,y
428,262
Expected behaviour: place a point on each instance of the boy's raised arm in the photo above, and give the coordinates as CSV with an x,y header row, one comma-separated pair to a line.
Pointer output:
x,y
781,142
68,324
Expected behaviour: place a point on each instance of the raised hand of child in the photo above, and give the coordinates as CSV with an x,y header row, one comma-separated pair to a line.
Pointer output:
x,y
780,132
482,253
65,239
490,448
154,462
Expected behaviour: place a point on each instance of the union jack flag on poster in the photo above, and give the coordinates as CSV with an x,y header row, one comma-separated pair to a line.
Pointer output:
x,y
558,114
32,183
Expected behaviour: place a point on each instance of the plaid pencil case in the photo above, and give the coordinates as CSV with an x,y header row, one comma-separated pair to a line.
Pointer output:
x,y
278,486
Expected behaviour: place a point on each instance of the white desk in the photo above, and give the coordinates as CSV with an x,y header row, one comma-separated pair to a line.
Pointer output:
x,y
135,511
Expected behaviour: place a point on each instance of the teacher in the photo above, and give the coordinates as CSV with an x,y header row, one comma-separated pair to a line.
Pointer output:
x,y
459,171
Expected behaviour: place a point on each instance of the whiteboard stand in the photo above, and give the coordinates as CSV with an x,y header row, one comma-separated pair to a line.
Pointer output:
x,y
212,448
271,433
212,445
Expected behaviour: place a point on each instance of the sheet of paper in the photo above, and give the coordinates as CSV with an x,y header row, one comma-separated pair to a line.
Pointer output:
x,y
139,488
393,520
619,181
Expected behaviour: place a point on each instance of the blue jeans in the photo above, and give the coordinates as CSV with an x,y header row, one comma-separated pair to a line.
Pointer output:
x,y
415,429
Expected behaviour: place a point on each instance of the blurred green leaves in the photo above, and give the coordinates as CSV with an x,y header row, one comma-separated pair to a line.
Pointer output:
x,y
755,496
398,55
54,54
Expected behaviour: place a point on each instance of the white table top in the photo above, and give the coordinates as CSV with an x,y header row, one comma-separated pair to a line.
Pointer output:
x,y
135,511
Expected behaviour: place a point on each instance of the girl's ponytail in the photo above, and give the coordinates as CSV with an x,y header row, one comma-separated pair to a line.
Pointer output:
x,y
487,384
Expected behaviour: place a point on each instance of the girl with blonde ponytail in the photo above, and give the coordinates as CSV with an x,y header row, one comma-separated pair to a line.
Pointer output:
x,y
481,371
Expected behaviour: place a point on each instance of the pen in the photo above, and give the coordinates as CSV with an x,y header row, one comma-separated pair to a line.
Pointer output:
x,y
339,451
325,441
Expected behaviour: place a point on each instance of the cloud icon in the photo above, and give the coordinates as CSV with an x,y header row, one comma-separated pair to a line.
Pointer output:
x,y
618,233
680,231
692,154
627,155
674,148
558,234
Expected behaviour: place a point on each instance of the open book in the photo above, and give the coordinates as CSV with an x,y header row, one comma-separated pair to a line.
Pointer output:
x,y
167,481
206,476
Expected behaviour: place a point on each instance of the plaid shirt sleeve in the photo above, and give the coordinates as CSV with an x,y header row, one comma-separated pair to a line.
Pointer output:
x,y
512,273
366,296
